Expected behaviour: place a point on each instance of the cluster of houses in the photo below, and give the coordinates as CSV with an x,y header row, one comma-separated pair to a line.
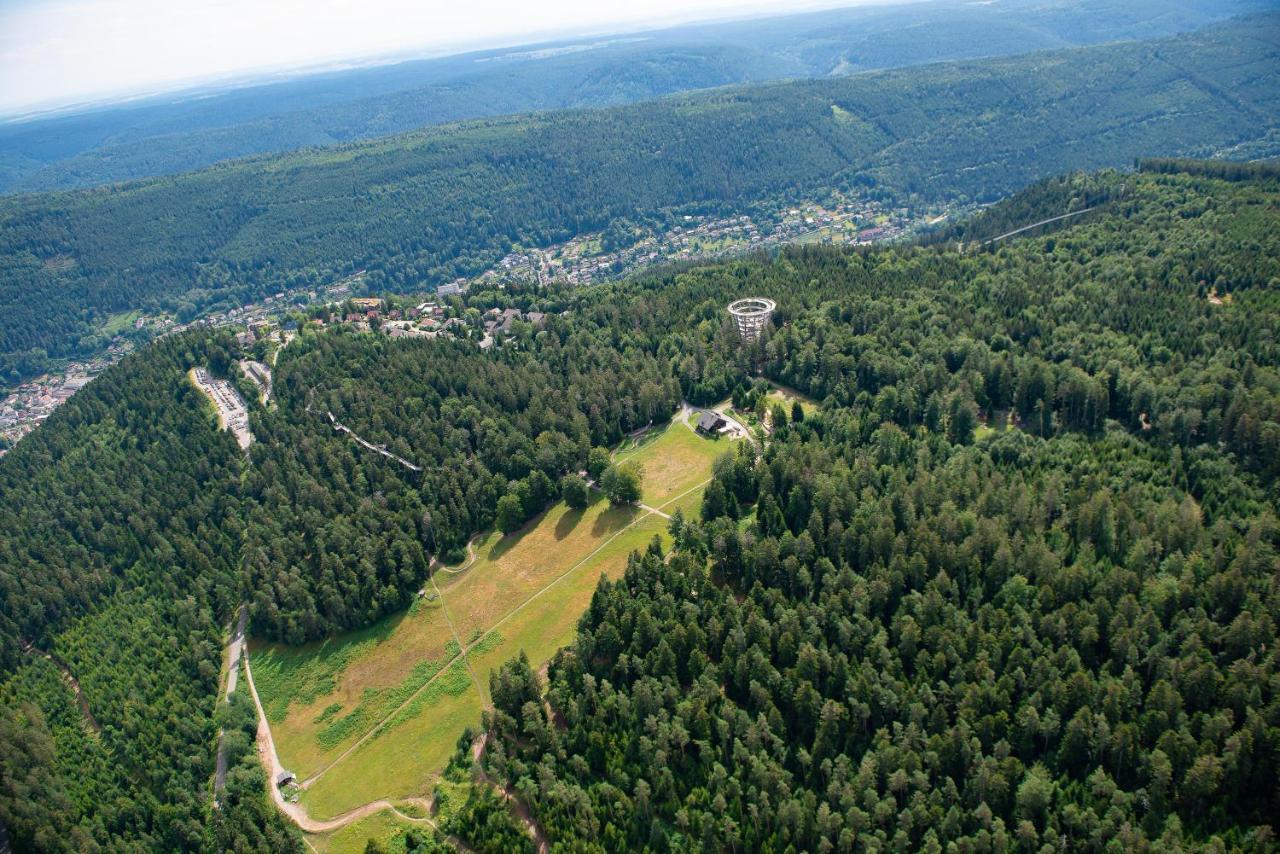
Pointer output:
x,y
498,322
35,400
426,320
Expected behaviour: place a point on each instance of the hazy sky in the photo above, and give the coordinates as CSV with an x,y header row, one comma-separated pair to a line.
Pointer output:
x,y
54,52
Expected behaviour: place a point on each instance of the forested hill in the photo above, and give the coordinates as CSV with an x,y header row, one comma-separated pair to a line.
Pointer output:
x,y
120,540
421,208
1014,584
178,133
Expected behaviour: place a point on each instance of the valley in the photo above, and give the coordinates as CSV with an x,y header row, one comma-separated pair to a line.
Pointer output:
x,y
924,139
851,430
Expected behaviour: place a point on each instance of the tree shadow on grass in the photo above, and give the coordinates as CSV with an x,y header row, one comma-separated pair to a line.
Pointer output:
x,y
630,447
568,522
612,520
507,542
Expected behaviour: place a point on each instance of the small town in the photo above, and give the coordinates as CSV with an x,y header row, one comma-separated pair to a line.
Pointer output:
x,y
842,221
35,400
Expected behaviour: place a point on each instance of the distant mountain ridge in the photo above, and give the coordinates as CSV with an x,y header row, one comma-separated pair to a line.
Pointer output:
x,y
180,132
422,208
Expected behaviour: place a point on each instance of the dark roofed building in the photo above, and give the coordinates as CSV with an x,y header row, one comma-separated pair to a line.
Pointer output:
x,y
710,422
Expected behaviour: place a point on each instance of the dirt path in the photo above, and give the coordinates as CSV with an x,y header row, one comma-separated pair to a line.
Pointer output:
x,y
518,806
271,761
235,647
471,557
72,682
655,511
306,784
466,659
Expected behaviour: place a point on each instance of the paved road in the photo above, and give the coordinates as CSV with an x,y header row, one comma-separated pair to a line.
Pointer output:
x,y
739,430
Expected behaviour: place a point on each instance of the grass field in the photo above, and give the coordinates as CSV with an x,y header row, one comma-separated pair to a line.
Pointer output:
x,y
524,591
119,322
320,698
508,570
377,713
540,631
406,754
385,827
786,396
675,459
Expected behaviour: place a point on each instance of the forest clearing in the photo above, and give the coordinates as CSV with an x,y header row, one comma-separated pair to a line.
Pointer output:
x,y
376,713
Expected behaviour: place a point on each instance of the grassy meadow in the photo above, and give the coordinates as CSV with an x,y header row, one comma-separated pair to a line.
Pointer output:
x,y
376,713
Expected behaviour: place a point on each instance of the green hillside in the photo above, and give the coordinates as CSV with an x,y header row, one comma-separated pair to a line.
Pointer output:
x,y
422,208
1014,587
1014,581
179,132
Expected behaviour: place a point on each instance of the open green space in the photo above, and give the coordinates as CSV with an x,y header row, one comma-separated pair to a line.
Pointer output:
x,y
675,459
510,569
404,755
523,592
320,698
384,827
120,322
406,679
787,396
539,630
376,713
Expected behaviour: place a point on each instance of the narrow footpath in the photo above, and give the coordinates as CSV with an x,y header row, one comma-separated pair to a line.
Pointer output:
x,y
518,806
235,646
74,684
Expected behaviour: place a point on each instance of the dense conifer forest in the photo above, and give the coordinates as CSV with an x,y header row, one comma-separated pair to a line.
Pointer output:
x,y
120,555
421,208
1014,584
915,624
179,132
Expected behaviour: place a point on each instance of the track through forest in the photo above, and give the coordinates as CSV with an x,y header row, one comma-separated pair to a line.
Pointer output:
x,y
74,684
1051,219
